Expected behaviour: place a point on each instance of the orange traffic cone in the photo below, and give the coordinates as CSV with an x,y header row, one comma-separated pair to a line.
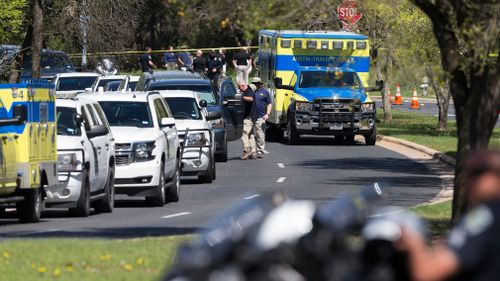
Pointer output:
x,y
399,99
414,100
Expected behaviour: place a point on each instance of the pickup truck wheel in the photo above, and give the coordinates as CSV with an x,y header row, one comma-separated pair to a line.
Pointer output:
x,y
160,199
82,208
293,135
210,174
175,189
107,204
371,138
30,210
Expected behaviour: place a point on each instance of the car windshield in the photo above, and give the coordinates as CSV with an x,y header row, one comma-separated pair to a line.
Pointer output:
x,y
112,86
104,82
49,61
75,83
329,79
66,123
184,108
204,91
127,114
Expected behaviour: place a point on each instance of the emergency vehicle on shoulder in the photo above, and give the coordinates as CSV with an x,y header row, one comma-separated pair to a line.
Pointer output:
x,y
319,81
28,156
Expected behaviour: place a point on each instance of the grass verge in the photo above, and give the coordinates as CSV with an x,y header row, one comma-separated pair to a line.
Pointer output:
x,y
421,129
438,217
87,259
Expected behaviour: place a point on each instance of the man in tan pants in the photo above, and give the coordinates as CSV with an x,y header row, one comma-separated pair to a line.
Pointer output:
x,y
261,110
247,137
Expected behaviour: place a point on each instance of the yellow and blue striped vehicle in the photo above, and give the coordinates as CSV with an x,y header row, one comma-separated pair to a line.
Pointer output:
x,y
319,81
28,151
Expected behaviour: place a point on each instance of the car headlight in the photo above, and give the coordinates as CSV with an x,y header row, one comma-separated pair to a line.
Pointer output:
x,y
303,106
144,151
68,162
217,123
368,107
197,139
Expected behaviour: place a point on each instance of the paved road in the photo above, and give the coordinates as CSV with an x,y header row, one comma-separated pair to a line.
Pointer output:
x,y
318,170
428,108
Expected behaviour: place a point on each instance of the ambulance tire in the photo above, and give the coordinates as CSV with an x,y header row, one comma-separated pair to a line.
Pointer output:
x,y
107,204
371,138
30,210
82,208
293,135
274,134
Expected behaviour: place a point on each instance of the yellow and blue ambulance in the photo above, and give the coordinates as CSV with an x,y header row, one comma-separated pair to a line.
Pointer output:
x,y
28,150
319,81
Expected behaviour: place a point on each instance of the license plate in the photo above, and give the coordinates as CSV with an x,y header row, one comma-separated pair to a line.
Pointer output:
x,y
336,127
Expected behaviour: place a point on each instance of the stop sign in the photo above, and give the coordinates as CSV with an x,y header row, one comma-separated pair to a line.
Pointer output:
x,y
348,11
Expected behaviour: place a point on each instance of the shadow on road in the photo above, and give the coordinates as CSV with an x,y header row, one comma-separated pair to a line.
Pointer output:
x,y
110,233
393,165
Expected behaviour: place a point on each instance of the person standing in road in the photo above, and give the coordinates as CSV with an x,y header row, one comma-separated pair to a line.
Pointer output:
x,y
472,250
146,61
199,62
260,113
169,59
221,56
247,137
242,62
214,66
184,61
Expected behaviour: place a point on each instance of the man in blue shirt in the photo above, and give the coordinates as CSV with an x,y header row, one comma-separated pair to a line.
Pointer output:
x,y
184,61
260,113
169,59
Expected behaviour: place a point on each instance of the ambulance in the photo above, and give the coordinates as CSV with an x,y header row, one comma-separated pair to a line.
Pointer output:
x,y
28,150
319,84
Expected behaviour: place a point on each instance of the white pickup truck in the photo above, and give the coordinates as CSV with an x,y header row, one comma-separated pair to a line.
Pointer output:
x,y
147,146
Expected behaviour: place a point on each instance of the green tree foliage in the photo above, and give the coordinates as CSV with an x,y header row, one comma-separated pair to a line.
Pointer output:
x,y
11,18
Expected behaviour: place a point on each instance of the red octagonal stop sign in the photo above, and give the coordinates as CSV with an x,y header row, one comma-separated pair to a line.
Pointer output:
x,y
348,11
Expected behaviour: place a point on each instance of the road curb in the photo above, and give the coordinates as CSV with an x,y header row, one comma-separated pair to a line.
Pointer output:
x,y
437,155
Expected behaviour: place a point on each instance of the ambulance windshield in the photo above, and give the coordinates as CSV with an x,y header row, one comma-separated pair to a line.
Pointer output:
x,y
329,79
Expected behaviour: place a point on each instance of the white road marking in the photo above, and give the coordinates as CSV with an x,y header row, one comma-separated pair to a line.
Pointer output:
x,y
176,215
447,176
280,180
251,196
281,165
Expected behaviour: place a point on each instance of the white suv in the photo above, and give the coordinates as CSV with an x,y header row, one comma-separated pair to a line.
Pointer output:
x,y
86,158
196,135
71,83
147,146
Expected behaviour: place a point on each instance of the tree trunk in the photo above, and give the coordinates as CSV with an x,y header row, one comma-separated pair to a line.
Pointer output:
x,y
443,97
37,38
15,67
386,104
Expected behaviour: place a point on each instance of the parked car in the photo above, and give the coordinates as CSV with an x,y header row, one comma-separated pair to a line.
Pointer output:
x,y
69,84
53,62
226,101
85,158
147,146
129,83
102,81
195,134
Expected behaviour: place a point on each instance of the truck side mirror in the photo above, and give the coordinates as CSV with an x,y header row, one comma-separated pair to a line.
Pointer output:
x,y
20,113
214,115
97,131
278,83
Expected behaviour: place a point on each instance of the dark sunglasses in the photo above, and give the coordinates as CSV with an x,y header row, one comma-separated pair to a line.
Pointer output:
x,y
482,170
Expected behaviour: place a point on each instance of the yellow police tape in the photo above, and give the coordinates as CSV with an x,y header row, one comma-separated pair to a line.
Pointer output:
x,y
76,55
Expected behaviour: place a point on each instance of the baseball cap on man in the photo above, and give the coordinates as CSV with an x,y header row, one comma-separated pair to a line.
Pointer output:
x,y
256,80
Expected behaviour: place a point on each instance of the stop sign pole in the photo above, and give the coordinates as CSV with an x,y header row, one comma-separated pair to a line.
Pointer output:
x,y
348,13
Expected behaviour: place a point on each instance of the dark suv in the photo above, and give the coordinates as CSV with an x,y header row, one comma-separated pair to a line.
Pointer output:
x,y
226,101
53,62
